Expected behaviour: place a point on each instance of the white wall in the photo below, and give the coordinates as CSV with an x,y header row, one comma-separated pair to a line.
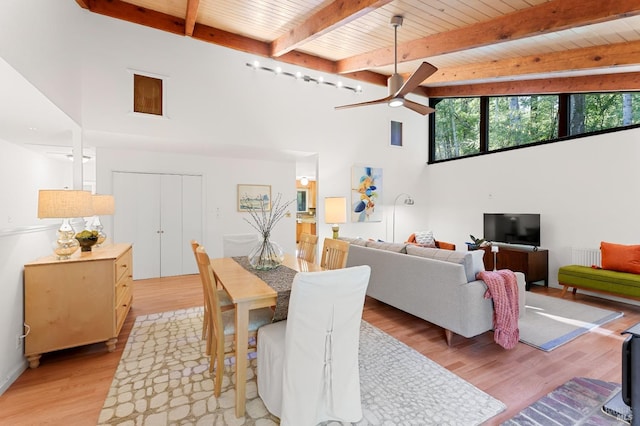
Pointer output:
x,y
220,108
23,238
220,179
40,39
587,191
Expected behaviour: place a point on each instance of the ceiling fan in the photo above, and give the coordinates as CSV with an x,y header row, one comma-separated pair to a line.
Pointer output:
x,y
398,90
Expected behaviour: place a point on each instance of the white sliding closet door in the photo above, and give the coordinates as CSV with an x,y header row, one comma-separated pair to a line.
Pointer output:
x,y
159,214
192,208
170,225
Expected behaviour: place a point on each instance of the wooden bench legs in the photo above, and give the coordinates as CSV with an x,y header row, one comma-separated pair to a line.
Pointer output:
x,y
565,288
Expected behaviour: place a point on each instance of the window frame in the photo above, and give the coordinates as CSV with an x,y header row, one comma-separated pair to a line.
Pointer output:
x,y
563,124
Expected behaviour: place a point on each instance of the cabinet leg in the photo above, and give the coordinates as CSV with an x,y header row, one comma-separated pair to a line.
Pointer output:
x,y
34,360
111,344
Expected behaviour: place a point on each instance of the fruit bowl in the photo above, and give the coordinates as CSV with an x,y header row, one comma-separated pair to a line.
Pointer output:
x,y
87,239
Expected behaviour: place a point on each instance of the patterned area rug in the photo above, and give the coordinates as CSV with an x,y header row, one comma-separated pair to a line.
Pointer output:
x,y
163,378
577,402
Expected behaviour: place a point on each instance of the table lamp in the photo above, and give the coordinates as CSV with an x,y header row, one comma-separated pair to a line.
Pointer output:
x,y
102,205
64,204
335,212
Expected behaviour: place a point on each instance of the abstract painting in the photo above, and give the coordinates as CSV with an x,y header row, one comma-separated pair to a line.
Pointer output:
x,y
366,194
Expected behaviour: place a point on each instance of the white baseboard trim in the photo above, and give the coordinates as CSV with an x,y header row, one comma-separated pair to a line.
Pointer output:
x,y
13,376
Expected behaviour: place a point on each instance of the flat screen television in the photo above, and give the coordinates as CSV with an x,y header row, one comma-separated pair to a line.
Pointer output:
x,y
512,228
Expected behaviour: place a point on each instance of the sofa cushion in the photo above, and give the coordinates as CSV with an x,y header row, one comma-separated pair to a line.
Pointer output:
x,y
425,238
355,241
471,260
395,247
621,258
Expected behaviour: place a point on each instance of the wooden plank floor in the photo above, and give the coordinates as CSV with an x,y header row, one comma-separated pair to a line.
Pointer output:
x,y
70,386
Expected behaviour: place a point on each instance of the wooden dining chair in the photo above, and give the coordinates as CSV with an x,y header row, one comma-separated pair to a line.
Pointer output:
x,y
239,244
223,296
222,332
334,254
307,247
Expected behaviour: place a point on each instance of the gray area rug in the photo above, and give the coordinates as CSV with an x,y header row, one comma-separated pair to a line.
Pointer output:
x,y
550,322
163,379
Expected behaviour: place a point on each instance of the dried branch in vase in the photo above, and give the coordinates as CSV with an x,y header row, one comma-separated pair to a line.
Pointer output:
x,y
267,254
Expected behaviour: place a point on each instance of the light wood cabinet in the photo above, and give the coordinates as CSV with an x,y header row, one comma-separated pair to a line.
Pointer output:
x,y
311,192
78,301
305,228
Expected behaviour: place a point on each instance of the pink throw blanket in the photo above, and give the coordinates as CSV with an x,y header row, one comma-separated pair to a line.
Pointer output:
x,y
503,288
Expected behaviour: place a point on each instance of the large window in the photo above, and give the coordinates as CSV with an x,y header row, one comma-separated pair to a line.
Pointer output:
x,y
458,128
520,120
463,127
592,112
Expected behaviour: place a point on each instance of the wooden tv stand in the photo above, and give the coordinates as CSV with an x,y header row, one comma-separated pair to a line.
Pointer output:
x,y
533,264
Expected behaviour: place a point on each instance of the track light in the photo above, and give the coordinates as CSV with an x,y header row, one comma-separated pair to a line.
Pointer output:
x,y
298,75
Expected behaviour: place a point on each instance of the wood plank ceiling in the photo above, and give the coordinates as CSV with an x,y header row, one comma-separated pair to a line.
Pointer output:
x,y
479,46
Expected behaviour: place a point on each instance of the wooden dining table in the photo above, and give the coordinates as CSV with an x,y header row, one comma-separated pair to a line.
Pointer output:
x,y
247,291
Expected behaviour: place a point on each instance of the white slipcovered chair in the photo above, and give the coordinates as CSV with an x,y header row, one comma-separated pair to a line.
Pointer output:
x,y
308,369
238,244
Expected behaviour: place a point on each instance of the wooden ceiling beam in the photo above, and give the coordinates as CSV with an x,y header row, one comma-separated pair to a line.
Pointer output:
x,y
334,15
230,40
594,57
544,18
138,15
191,15
582,84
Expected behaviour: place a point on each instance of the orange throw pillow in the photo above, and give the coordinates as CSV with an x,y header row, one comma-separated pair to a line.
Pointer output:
x,y
621,258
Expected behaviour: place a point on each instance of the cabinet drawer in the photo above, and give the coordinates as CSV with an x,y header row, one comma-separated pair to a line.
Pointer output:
x,y
122,309
124,290
123,265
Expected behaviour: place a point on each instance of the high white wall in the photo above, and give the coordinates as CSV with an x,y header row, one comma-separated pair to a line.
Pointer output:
x,y
219,107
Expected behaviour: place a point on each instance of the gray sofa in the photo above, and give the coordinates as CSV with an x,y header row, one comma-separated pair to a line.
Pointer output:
x,y
436,285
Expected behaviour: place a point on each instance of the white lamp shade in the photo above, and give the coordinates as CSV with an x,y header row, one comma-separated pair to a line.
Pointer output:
x,y
64,203
103,204
335,210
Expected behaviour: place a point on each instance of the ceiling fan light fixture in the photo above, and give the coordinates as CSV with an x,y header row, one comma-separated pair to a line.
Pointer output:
x,y
396,85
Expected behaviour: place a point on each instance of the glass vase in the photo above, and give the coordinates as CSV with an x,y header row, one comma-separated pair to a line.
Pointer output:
x,y
266,255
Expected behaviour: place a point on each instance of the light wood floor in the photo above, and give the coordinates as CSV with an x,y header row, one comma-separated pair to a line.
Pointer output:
x,y
70,386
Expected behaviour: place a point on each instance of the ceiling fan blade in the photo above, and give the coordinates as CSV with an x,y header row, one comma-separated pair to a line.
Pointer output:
x,y
424,71
419,108
379,101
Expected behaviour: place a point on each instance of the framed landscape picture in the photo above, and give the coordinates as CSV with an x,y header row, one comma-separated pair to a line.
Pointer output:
x,y
252,197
